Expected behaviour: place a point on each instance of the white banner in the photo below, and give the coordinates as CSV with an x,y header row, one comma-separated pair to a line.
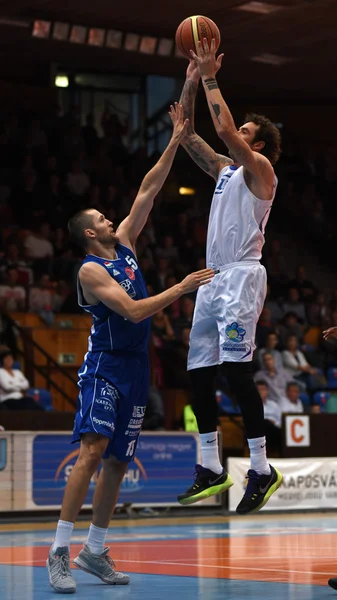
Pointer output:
x,y
5,472
308,483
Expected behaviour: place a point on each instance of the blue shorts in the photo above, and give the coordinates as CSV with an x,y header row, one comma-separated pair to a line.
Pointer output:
x,y
112,400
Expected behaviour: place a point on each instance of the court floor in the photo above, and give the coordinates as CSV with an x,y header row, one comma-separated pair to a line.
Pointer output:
x,y
210,558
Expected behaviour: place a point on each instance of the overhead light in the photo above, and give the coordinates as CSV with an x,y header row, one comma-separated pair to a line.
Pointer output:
x,y
114,39
41,29
131,42
78,34
148,45
165,47
96,37
264,8
61,81
61,31
271,59
186,191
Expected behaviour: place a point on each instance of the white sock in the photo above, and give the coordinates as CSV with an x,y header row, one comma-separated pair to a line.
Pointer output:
x,y
63,534
210,452
258,456
96,539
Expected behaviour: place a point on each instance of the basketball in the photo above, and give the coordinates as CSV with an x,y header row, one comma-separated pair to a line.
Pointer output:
x,y
193,29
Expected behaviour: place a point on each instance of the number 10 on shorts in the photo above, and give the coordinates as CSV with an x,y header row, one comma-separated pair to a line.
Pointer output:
x,y
131,448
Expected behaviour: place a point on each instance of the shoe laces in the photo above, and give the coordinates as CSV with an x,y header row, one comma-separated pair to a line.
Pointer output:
x,y
64,565
109,560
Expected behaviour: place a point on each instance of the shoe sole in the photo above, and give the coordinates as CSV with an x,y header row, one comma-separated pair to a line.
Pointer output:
x,y
332,583
78,564
271,490
212,491
59,590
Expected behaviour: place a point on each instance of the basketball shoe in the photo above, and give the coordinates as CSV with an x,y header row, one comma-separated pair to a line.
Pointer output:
x,y
60,577
258,491
100,565
206,484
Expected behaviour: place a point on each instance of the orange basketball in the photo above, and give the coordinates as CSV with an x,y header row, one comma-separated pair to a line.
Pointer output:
x,y
193,29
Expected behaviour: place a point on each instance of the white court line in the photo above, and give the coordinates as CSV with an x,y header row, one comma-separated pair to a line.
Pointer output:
x,y
164,563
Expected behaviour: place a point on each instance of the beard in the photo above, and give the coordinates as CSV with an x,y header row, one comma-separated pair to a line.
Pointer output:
x,y
111,239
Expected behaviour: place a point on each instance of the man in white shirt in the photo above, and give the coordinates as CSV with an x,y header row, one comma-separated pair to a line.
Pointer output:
x,y
291,403
37,245
272,416
276,379
12,296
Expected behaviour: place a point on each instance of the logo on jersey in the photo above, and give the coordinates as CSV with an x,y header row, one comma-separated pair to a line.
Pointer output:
x,y
110,392
128,287
130,273
235,333
108,264
115,272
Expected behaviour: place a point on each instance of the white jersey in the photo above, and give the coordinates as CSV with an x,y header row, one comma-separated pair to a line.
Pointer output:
x,y
237,220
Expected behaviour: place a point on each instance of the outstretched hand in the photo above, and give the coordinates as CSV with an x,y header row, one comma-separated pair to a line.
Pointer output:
x,y
179,124
192,71
207,63
330,333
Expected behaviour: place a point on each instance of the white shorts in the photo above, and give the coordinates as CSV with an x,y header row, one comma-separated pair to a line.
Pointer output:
x,y
225,315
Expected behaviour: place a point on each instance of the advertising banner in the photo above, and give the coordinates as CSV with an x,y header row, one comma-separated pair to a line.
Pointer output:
x,y
162,469
308,483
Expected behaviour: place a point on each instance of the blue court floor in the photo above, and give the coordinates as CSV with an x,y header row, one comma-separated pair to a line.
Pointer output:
x,y
210,558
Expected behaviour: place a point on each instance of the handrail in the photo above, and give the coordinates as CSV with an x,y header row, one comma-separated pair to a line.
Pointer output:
x,y
50,362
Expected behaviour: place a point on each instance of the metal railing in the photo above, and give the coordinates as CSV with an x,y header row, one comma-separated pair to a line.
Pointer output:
x,y
29,345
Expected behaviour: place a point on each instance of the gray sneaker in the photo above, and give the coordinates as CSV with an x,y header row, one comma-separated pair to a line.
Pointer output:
x,y
58,565
100,565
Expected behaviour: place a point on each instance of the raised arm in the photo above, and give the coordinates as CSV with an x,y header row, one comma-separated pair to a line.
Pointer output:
x,y
203,155
257,164
97,285
152,183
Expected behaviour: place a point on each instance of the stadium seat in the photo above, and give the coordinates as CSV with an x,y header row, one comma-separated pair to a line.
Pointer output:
x,y
321,398
332,378
305,399
41,396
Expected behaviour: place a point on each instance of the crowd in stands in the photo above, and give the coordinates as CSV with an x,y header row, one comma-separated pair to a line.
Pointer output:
x,y
53,166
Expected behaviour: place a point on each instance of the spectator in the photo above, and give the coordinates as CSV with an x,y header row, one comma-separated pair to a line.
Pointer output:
x,y
275,379
89,134
293,304
37,244
263,328
291,403
300,282
290,326
168,249
60,295
297,366
277,268
78,182
272,416
13,258
271,343
161,329
163,272
12,295
184,321
318,312
12,385
40,299
274,306
154,414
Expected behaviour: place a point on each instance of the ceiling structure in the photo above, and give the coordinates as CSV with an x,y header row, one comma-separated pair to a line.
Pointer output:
x,y
302,32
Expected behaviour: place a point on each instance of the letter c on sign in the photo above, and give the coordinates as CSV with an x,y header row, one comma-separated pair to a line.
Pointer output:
x,y
297,438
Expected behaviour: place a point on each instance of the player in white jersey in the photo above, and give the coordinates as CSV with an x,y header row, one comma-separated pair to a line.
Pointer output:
x,y
225,317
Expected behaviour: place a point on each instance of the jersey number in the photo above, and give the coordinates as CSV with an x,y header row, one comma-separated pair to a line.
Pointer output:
x,y
131,262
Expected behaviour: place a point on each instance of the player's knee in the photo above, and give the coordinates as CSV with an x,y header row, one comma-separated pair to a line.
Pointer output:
x,y
113,465
91,451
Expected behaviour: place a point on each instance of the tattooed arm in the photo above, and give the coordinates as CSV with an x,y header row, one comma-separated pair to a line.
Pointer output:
x,y
203,155
254,162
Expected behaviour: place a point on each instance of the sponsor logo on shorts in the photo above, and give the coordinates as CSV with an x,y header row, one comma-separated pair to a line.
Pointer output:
x,y
138,411
135,423
132,433
109,391
105,402
232,348
130,273
128,287
105,423
235,332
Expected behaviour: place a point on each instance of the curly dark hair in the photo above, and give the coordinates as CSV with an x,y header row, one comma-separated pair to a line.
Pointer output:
x,y
267,133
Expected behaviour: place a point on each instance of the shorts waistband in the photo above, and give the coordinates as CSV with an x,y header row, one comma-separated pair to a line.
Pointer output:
x,y
242,263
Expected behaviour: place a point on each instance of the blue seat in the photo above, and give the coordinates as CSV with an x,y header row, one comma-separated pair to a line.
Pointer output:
x,y
305,399
41,396
321,399
332,378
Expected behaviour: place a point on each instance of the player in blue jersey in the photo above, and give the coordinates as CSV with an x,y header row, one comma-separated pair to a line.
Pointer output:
x,y
114,378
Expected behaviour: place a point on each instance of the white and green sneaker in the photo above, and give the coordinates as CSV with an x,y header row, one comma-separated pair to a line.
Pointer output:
x,y
60,577
100,565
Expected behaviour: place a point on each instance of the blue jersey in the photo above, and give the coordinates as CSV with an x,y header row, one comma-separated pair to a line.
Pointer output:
x,y
110,331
